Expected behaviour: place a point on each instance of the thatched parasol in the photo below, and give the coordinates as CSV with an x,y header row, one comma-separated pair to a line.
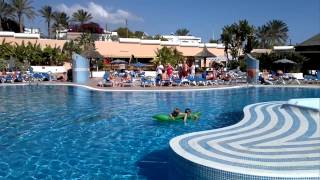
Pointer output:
x,y
205,53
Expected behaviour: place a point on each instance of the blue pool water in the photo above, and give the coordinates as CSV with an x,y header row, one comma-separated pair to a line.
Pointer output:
x,y
60,132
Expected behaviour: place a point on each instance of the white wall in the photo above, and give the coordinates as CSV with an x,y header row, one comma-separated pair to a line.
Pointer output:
x,y
99,74
296,75
52,69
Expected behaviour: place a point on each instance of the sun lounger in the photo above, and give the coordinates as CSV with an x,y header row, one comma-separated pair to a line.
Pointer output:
x,y
107,83
37,76
147,81
176,82
9,79
309,79
191,81
292,80
127,84
19,78
45,77
166,82
200,81
212,82
2,79
279,81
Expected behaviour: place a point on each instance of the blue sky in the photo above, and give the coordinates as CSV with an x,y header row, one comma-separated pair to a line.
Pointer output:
x,y
203,18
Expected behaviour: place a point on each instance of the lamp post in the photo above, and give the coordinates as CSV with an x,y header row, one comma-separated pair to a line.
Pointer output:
x,y
127,28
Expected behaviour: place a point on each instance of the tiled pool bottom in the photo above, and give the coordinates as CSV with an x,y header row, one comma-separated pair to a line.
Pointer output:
x,y
271,142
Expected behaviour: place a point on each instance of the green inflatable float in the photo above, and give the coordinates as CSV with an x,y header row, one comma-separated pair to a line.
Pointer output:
x,y
166,117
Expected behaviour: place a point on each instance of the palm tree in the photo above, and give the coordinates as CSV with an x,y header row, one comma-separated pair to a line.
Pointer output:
x,y
226,38
262,36
69,47
81,16
61,21
273,33
86,41
21,8
5,10
277,32
47,13
182,32
245,30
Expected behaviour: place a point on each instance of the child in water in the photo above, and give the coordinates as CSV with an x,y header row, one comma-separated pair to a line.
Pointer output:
x,y
187,112
176,112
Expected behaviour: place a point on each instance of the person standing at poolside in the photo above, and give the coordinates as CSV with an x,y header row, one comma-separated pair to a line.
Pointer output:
x,y
159,71
169,70
214,74
185,70
193,70
179,69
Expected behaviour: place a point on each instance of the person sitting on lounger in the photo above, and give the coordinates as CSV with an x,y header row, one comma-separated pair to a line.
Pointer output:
x,y
265,77
165,80
126,78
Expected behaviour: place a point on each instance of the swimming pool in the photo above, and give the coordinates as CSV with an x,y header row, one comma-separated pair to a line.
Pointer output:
x,y
69,132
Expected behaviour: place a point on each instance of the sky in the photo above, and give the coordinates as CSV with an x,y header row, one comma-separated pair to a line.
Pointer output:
x,y
203,18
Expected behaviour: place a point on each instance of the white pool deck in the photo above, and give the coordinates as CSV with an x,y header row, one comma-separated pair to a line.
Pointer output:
x,y
274,140
313,103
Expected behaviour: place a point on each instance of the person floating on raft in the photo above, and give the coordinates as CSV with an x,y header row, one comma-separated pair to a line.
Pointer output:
x,y
187,114
177,115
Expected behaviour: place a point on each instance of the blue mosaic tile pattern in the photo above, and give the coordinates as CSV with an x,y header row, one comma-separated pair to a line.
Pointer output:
x,y
271,142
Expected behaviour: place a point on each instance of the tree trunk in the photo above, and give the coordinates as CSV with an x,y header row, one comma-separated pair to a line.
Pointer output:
x,y
20,23
49,30
1,29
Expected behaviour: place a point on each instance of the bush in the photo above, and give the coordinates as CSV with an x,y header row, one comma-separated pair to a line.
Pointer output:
x,y
233,64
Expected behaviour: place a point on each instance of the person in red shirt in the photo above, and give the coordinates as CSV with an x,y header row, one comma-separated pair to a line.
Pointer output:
x,y
169,70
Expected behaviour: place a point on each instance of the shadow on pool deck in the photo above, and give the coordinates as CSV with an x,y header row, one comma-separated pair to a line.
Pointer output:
x,y
155,165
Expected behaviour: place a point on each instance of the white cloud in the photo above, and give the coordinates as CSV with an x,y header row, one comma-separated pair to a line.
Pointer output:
x,y
100,14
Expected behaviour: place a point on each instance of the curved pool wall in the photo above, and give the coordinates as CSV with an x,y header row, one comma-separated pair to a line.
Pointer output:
x,y
271,142
73,133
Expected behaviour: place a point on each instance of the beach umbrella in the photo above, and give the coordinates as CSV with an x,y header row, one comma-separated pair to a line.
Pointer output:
x,y
92,54
93,57
139,65
284,62
118,61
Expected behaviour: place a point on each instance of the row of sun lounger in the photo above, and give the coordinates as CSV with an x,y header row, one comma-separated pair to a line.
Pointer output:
x,y
292,81
149,81
189,81
11,78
